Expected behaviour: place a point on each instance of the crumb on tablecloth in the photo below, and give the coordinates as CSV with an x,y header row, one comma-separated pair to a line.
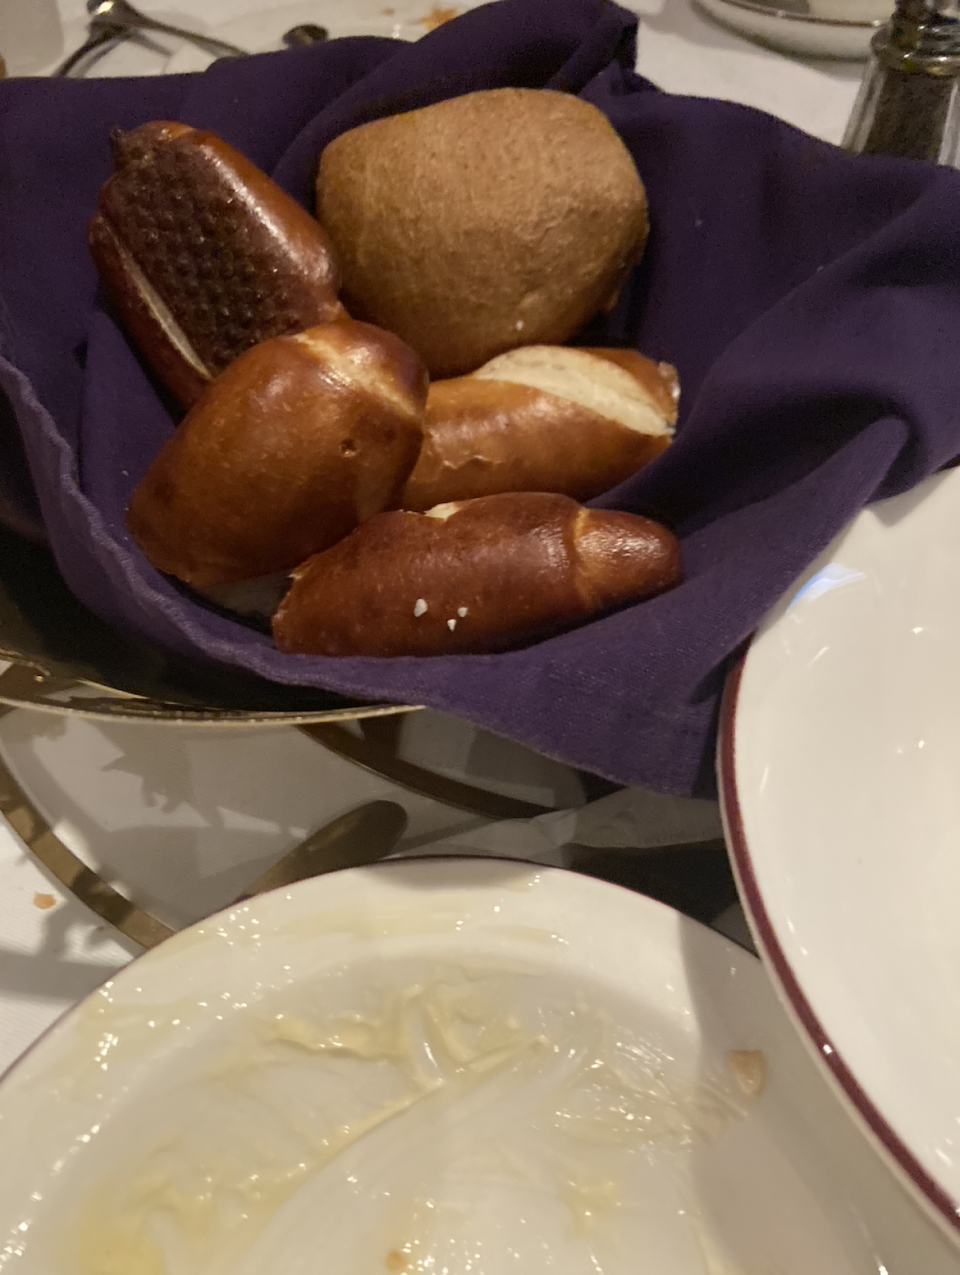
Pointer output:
x,y
436,17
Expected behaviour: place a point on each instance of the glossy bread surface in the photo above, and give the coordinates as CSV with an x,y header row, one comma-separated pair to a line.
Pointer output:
x,y
289,448
221,255
543,418
482,575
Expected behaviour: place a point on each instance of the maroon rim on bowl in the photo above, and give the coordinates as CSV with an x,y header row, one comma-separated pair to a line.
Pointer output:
x,y
947,1209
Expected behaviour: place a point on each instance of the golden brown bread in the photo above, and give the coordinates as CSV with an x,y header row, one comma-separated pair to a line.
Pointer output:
x,y
474,577
543,418
500,218
289,448
203,255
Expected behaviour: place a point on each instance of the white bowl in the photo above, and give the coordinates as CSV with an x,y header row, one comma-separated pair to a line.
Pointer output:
x,y
792,30
840,763
464,1065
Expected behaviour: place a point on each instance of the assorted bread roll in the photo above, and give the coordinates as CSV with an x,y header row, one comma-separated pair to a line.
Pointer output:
x,y
478,233
543,418
296,442
500,218
472,577
203,255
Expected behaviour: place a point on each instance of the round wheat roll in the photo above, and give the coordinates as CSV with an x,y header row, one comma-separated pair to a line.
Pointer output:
x,y
500,218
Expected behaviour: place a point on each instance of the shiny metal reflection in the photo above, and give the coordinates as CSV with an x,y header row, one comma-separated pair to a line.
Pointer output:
x,y
359,837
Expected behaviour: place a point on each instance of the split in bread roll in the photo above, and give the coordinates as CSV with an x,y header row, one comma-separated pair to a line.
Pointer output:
x,y
499,218
543,418
480,576
296,442
203,255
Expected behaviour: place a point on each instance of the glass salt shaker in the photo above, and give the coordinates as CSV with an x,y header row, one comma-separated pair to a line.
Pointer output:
x,y
908,103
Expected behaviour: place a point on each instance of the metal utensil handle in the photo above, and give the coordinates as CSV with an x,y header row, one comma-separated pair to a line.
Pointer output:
x,y
96,40
223,47
123,14
305,35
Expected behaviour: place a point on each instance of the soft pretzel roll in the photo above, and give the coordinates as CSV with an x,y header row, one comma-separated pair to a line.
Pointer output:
x,y
296,442
543,418
498,218
655,379
203,255
478,576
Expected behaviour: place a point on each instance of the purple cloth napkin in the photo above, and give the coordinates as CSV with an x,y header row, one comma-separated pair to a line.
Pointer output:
x,y
810,300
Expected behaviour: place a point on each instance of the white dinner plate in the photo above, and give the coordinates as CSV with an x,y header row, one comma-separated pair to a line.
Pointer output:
x,y
461,1065
840,760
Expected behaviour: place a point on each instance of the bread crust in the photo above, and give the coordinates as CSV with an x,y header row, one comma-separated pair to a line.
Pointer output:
x,y
203,255
483,436
473,577
495,219
296,442
658,379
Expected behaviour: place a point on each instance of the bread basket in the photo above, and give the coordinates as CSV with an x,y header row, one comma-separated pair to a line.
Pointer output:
x,y
63,659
